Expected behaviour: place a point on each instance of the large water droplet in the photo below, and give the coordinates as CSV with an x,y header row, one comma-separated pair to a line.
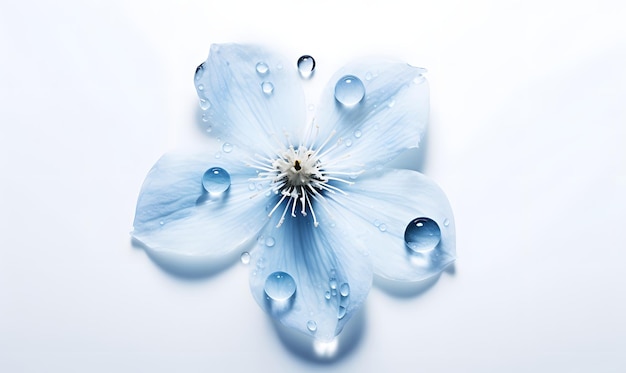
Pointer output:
x,y
280,286
267,87
422,235
349,90
245,257
306,66
216,180
262,68
199,72
311,325
344,290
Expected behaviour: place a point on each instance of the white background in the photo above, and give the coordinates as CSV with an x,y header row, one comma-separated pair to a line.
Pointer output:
x,y
527,138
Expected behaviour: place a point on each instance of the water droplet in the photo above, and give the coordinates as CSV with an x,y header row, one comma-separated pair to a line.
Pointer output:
x,y
267,88
262,68
348,143
209,128
391,103
227,147
161,222
446,222
358,134
422,234
245,257
382,227
218,155
270,241
306,66
368,76
199,71
251,187
333,283
204,104
311,325
344,290
201,87
333,292
327,295
216,180
377,223
349,90
341,313
311,107
280,286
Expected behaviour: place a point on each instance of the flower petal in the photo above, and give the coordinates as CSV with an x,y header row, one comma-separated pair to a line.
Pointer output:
x,y
390,118
331,275
179,221
250,96
378,208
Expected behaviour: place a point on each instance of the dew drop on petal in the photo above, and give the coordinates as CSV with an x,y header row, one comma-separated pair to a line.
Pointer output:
x,y
358,134
348,143
267,87
262,68
446,222
270,242
199,72
311,325
306,66
245,257
341,313
332,283
204,104
349,90
216,180
227,147
280,286
382,227
344,290
422,235
327,295
201,87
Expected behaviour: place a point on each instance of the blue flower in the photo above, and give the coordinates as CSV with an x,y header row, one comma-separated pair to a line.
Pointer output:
x,y
311,198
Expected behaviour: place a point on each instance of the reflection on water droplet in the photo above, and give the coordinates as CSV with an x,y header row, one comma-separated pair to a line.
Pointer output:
x,y
199,72
311,325
262,68
204,104
344,290
245,257
306,66
280,286
341,313
269,241
161,222
267,88
201,87
422,235
349,90
227,147
333,283
446,222
216,180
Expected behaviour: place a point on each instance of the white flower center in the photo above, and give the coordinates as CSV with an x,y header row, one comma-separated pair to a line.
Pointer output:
x,y
301,179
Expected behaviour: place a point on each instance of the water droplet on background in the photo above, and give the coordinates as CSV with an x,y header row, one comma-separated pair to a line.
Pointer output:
x,y
227,147
245,257
349,90
216,180
280,286
267,87
262,68
422,235
306,66
344,290
311,325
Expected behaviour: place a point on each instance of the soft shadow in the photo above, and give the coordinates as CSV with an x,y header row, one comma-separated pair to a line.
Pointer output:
x,y
412,159
405,289
188,267
308,349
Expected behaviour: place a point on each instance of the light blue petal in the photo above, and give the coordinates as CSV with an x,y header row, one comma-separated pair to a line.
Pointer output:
x,y
176,219
377,209
331,275
246,105
390,119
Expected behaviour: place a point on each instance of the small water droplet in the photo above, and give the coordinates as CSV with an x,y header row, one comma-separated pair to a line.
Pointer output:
x,y
270,241
341,313
209,128
333,292
306,66
311,107
311,325
161,222
227,147
251,187
376,223
391,103
333,283
358,134
349,90
348,143
422,235
205,118
267,87
382,227
245,257
201,87
280,286
262,68
279,66
199,72
344,290
216,180
446,222
218,155
204,104
327,295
